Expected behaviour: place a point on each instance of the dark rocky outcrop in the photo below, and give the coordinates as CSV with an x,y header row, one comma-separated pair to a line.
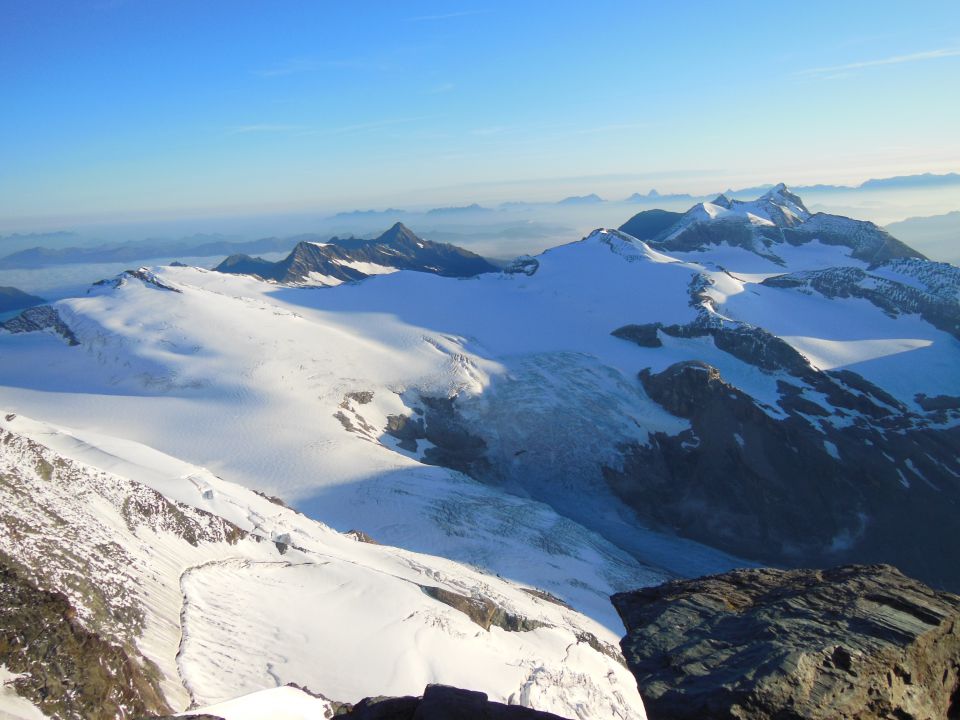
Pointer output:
x,y
38,319
143,274
398,248
407,429
440,702
523,265
454,442
749,343
851,643
68,671
643,335
361,536
482,611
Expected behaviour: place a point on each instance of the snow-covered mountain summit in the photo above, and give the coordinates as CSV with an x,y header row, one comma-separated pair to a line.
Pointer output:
x,y
765,225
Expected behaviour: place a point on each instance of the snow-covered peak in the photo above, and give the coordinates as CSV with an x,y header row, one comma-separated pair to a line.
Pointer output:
x,y
777,207
626,245
785,203
400,234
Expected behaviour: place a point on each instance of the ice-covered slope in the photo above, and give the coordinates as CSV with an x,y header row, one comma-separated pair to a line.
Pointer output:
x,y
263,384
211,591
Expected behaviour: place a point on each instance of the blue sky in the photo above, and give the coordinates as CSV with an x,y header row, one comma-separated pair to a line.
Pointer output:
x,y
128,108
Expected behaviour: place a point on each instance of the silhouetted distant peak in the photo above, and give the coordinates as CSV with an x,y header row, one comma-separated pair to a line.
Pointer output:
x,y
459,210
590,199
399,234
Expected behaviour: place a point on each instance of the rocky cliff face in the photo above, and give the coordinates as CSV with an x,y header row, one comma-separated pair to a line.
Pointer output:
x,y
797,483
66,669
852,643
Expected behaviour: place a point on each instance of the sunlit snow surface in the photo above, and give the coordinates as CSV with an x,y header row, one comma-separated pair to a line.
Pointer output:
x,y
281,703
222,619
245,378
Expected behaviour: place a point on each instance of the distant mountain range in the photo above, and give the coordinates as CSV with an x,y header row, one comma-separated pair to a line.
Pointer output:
x,y
13,299
343,260
465,210
30,251
654,196
938,234
197,246
362,214
21,241
591,199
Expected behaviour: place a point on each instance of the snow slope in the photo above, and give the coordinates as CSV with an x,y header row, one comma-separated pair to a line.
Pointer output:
x,y
247,378
281,703
228,593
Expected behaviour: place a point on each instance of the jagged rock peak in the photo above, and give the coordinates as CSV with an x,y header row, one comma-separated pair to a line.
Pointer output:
x,y
779,194
399,233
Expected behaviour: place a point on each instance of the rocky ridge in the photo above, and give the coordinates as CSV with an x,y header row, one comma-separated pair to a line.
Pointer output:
x,y
344,260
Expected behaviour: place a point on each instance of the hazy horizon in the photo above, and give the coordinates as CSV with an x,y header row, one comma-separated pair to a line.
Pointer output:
x,y
135,110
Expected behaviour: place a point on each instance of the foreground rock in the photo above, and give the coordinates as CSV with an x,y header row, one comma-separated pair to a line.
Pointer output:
x,y
851,643
440,702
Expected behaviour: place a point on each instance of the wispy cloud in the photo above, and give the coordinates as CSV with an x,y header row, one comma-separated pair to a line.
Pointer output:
x,y
610,128
364,126
838,71
447,16
294,66
489,131
263,128
314,130
440,89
